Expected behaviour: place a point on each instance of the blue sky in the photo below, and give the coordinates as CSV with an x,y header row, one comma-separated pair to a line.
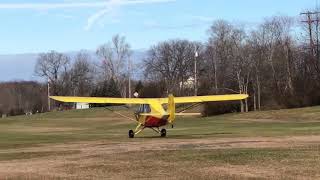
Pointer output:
x,y
32,26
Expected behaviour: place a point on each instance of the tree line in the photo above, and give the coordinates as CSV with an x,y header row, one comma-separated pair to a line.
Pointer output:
x,y
22,98
276,67
275,62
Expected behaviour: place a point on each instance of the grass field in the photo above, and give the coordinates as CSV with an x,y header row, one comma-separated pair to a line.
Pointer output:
x,y
93,144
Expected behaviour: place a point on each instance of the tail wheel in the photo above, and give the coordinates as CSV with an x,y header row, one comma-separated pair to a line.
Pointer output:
x,y
131,134
163,132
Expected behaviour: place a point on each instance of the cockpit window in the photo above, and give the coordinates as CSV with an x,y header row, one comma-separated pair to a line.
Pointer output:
x,y
144,108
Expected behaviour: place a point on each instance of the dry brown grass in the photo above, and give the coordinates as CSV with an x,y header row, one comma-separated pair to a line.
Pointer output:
x,y
151,159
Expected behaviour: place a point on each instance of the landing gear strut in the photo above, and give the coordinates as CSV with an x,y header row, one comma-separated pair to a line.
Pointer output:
x,y
139,129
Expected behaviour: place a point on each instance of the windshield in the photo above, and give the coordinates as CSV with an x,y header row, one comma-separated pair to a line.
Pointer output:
x,y
144,108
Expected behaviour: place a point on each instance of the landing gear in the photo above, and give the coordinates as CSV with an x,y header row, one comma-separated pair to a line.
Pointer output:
x,y
131,134
163,132
139,129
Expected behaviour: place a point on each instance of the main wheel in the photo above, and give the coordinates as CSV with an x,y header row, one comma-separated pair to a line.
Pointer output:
x,y
163,132
131,134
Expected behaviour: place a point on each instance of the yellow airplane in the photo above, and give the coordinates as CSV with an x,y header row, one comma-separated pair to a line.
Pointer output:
x,y
151,113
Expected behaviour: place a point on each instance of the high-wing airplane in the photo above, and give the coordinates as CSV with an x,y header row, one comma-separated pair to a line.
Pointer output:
x,y
151,113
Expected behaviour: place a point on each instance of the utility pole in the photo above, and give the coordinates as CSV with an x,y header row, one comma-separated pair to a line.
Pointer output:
x,y
310,22
195,73
312,19
49,105
129,76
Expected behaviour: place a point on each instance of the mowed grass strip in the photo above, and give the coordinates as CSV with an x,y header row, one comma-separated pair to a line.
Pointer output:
x,y
101,124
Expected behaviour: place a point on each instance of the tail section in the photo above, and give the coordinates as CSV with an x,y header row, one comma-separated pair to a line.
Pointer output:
x,y
171,109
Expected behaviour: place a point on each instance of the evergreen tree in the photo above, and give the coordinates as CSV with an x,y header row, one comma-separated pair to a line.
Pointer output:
x,y
113,89
107,88
138,87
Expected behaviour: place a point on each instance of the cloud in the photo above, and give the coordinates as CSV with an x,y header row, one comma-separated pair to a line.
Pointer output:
x,y
76,4
72,4
107,7
41,6
92,19
113,5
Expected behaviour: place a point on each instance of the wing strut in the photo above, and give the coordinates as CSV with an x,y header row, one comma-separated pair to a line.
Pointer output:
x,y
120,114
189,107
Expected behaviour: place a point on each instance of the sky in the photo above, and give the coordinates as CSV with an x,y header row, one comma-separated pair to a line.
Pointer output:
x,y
33,26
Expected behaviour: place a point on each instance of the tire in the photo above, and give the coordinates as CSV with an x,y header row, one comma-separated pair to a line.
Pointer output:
x,y
163,132
131,134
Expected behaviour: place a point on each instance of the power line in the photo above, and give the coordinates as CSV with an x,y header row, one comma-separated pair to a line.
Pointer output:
x,y
312,21
309,12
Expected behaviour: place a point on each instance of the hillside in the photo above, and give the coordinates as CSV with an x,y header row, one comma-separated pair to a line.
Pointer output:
x,y
16,67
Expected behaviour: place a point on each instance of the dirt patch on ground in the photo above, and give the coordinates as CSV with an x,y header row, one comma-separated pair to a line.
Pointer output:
x,y
103,159
175,144
242,171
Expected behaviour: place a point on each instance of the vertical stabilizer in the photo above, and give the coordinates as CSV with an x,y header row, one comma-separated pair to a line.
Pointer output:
x,y
171,109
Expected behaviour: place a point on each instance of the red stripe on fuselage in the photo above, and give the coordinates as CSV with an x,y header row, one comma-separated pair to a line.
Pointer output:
x,y
155,122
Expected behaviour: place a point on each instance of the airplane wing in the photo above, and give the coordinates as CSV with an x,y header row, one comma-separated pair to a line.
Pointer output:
x,y
102,100
212,98
177,100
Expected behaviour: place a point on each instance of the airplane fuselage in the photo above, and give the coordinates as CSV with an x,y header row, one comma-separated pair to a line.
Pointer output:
x,y
151,121
152,116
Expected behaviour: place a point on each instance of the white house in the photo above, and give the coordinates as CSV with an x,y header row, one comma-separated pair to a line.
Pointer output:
x,y
188,84
82,106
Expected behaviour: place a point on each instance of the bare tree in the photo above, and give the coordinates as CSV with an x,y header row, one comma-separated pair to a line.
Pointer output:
x,y
271,48
241,61
114,56
278,44
219,53
256,46
227,56
171,61
82,74
50,66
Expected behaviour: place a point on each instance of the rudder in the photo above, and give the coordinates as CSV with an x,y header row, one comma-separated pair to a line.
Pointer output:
x,y
171,109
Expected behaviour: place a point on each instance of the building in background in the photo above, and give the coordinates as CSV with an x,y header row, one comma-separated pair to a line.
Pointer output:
x,y
189,84
82,106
